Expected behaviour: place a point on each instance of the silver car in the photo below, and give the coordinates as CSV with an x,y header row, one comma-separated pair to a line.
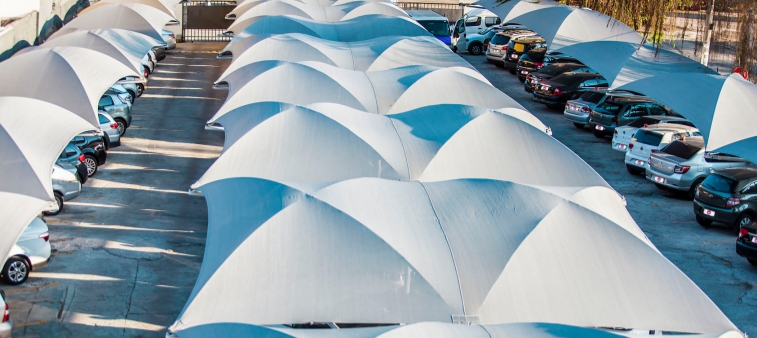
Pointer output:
x,y
622,135
683,165
31,252
118,107
578,110
109,126
129,88
66,185
6,325
650,139
169,38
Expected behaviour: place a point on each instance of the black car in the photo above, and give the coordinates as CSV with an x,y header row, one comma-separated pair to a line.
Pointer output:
x,y
536,59
517,47
73,155
746,243
621,110
160,53
727,196
93,148
535,78
558,90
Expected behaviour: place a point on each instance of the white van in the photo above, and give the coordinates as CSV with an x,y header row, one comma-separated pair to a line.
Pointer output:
x,y
473,22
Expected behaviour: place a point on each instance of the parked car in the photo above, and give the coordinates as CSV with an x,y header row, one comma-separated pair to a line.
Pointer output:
x,y
66,186
622,110
650,139
517,47
746,243
122,92
536,59
558,90
169,38
31,252
73,156
579,110
112,136
117,107
683,165
160,53
500,42
534,78
147,66
622,135
93,148
134,89
727,196
6,325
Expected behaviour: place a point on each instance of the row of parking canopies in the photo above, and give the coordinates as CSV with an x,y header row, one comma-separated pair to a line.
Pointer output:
x,y
723,107
370,178
50,93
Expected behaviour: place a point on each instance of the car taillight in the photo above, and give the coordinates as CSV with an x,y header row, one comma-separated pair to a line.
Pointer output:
x,y
681,169
742,232
567,106
630,146
528,77
732,202
586,110
654,150
557,92
145,73
172,36
504,48
539,65
649,159
81,158
615,132
114,125
614,120
6,314
45,235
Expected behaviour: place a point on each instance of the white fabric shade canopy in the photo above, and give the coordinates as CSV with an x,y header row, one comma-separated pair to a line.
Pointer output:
x,y
124,46
246,6
73,78
362,28
382,251
724,108
370,55
136,17
384,92
157,4
27,164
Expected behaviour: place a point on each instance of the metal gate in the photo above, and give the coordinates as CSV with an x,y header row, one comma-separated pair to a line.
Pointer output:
x,y
451,11
205,21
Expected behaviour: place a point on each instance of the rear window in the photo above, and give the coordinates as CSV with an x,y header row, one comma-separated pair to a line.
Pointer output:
x,y
500,40
647,137
716,182
592,97
680,149
103,119
642,121
610,107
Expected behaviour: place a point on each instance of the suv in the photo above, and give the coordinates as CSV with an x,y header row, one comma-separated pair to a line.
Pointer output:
x,y
557,91
649,139
621,110
73,156
500,43
118,107
683,165
93,148
726,196
517,47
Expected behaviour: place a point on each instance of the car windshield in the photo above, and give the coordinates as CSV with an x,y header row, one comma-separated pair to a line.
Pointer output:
x,y
647,137
680,149
719,183
610,107
592,97
438,28
642,121
500,40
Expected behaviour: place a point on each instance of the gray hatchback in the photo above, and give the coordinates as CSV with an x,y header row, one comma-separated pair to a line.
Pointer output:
x,y
118,106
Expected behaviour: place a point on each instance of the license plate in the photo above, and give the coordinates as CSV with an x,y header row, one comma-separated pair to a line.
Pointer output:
x,y
523,72
638,162
622,146
533,81
754,239
709,212
598,127
514,56
544,88
658,179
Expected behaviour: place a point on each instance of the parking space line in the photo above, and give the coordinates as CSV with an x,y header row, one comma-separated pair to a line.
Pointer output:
x,y
39,322
29,288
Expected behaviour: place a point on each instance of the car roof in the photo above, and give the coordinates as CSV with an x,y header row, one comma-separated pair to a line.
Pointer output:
x,y
628,99
580,74
672,127
527,40
739,173
516,31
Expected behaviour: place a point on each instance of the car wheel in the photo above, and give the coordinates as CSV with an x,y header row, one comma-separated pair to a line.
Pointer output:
x,y
91,163
133,95
16,271
703,222
121,126
752,261
59,202
140,89
579,125
744,220
475,49
599,134
693,189
633,171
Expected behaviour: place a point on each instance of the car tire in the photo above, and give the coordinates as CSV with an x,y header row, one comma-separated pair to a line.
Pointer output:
x,y
476,49
599,134
693,189
752,261
91,163
16,270
58,200
121,126
133,95
140,89
703,222
744,219
579,125
633,171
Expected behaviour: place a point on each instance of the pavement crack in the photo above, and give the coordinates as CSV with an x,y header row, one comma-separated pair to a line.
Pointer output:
x,y
131,295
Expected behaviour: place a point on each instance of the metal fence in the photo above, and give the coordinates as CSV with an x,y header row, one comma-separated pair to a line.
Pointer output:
x,y
205,21
451,11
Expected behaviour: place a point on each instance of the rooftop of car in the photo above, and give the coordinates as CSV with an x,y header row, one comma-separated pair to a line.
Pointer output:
x,y
580,74
672,127
628,98
739,173
527,40
516,31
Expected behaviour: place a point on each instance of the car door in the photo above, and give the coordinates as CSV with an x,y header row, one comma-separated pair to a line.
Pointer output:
x,y
460,38
656,109
632,112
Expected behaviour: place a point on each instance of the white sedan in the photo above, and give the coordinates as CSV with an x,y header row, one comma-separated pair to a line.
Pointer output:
x,y
31,252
